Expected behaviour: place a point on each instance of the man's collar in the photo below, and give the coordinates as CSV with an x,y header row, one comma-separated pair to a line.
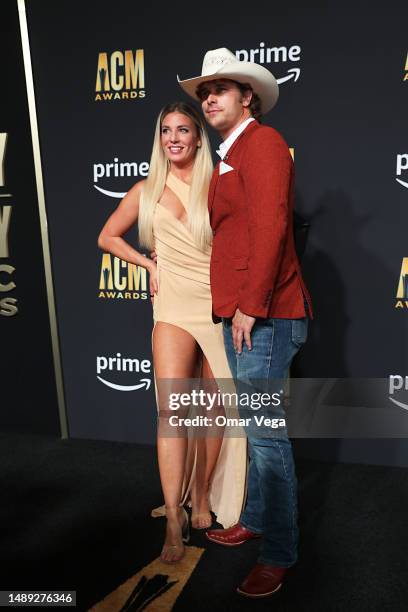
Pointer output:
x,y
227,144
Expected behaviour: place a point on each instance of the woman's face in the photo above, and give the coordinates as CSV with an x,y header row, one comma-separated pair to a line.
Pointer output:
x,y
179,138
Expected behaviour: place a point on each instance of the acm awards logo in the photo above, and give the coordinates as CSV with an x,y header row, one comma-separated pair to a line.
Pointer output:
x,y
402,290
107,369
402,164
274,55
120,280
117,169
120,76
8,303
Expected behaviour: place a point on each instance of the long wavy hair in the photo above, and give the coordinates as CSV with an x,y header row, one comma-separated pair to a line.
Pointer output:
x,y
198,219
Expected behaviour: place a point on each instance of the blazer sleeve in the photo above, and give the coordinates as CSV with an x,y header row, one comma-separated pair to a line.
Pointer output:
x,y
266,169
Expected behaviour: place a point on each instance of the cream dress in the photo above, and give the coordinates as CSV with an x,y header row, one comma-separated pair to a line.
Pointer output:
x,y
184,300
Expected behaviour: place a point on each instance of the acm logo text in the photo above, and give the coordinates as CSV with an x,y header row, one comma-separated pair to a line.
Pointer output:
x,y
120,280
120,76
402,289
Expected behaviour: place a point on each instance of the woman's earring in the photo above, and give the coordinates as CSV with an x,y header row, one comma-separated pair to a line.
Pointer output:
x,y
198,145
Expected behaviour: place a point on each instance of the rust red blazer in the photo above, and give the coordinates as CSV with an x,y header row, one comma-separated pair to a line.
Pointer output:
x,y
254,266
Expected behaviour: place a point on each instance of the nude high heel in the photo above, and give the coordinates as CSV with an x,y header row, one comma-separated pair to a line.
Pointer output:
x,y
173,553
201,520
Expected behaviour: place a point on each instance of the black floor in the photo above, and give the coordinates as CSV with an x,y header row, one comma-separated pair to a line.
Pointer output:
x,y
74,515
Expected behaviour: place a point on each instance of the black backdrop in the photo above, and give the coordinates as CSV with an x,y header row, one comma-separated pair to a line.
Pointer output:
x,y
343,111
28,400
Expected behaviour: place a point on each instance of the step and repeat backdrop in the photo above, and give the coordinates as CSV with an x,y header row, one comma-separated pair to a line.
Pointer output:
x,y
28,390
102,71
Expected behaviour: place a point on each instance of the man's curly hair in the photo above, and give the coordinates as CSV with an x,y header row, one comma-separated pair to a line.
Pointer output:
x,y
255,105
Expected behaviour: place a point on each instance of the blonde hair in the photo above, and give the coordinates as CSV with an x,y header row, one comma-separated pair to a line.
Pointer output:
x,y
198,219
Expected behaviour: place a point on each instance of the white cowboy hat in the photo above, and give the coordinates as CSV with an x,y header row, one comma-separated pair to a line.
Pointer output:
x,y
222,64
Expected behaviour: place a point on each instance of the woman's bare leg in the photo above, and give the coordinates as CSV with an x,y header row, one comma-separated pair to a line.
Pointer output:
x,y
208,450
175,354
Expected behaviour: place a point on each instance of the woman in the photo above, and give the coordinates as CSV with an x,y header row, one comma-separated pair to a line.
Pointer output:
x,y
170,207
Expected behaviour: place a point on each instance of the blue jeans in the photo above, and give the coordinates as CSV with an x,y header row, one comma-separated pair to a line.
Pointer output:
x,y
271,507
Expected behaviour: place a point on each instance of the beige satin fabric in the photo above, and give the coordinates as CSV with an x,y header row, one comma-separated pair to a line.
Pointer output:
x,y
184,300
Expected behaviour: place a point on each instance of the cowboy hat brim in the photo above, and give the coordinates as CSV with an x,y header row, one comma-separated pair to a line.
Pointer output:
x,y
259,78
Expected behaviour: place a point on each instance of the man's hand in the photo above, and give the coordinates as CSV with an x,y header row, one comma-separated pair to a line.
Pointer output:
x,y
242,325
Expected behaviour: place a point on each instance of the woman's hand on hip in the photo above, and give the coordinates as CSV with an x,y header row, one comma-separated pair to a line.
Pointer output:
x,y
153,282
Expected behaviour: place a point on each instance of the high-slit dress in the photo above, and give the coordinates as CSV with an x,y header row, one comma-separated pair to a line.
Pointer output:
x,y
184,300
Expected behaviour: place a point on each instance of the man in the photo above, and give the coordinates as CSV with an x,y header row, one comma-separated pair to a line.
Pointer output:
x,y
257,290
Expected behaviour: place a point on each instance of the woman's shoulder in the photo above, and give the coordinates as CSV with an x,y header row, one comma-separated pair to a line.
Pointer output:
x,y
138,187
134,193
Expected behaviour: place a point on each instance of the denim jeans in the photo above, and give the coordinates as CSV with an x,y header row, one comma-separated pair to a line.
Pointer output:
x,y
271,507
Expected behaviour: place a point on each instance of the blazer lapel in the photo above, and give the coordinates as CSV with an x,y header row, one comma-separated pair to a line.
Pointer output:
x,y
216,173
247,130
213,184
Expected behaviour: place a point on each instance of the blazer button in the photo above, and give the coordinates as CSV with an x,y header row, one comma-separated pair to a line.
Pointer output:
x,y
214,233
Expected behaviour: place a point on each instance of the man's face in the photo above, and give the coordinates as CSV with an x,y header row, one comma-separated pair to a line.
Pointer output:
x,y
223,105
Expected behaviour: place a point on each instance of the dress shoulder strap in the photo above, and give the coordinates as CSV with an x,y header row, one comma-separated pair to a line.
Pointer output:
x,y
180,188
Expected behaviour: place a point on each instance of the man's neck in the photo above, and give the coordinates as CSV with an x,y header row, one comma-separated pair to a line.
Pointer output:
x,y
245,115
